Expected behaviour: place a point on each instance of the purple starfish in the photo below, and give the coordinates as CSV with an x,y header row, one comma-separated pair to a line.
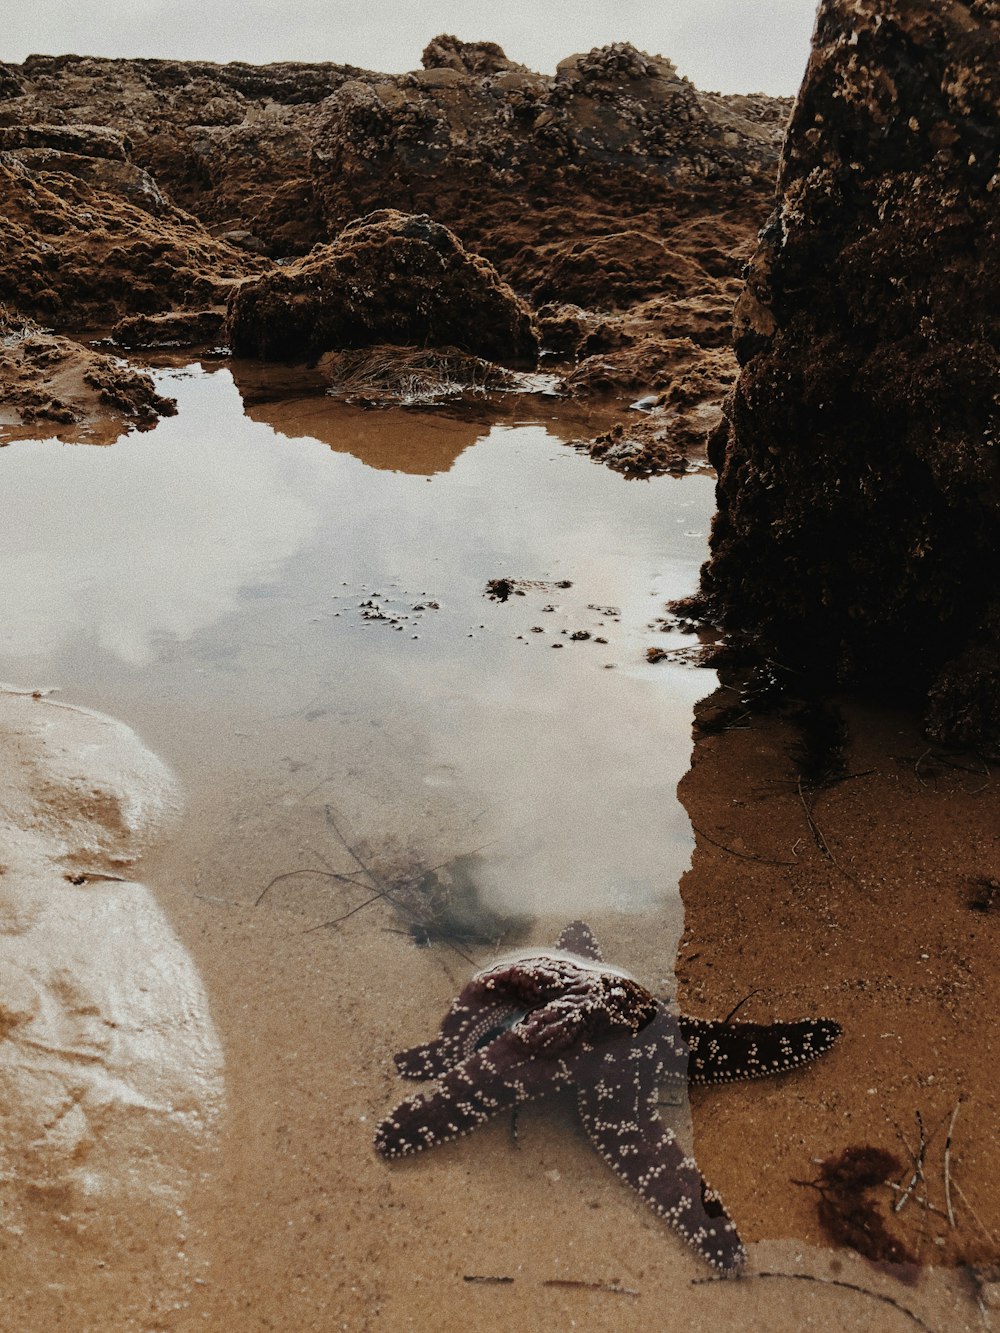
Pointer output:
x,y
523,1028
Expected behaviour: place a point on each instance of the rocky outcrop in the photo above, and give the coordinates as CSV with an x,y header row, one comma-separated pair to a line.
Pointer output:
x,y
132,189
513,158
474,58
53,386
88,239
177,328
858,532
665,431
388,278
503,156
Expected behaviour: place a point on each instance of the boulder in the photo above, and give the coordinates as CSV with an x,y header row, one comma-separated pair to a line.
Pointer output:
x,y
389,277
858,532
177,328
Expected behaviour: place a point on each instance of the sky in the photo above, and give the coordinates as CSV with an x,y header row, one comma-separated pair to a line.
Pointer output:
x,y
722,45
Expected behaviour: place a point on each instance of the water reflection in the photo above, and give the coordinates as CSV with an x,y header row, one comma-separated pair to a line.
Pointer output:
x,y
221,570
154,537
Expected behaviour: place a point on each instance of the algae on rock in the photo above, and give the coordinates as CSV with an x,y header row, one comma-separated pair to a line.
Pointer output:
x,y
858,531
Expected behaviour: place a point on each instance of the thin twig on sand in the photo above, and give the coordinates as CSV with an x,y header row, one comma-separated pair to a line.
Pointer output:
x,y
939,1212
821,841
614,1288
744,856
824,1282
294,874
947,1165
758,990
918,1165
990,1235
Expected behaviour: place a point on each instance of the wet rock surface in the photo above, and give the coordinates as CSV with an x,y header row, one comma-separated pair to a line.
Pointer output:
x,y
54,385
79,250
176,328
144,187
389,277
859,496
582,150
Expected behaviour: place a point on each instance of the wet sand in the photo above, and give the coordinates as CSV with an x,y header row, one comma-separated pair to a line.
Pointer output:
x,y
873,908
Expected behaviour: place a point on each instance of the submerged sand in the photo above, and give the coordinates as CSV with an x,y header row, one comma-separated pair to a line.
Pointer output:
x,y
281,1216
139,1194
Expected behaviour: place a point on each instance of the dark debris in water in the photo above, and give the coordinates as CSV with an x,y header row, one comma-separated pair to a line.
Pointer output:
x,y
502,589
446,904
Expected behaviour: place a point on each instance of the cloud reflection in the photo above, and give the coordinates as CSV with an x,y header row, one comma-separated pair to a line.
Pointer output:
x,y
182,540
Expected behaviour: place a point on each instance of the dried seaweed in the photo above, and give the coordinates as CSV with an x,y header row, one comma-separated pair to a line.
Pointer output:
x,y
846,1212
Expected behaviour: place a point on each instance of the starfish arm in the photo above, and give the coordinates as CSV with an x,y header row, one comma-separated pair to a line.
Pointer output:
x,y
498,1076
618,1108
468,1024
430,1060
723,1052
577,938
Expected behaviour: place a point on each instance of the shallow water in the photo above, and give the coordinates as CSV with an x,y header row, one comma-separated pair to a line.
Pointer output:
x,y
290,607
286,599
209,582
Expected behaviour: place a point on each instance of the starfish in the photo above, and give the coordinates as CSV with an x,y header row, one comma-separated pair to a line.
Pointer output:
x,y
527,1027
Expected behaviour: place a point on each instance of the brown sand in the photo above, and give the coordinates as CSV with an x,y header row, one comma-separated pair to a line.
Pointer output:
x,y
872,909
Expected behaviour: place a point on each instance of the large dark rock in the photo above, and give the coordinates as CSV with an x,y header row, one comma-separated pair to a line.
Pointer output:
x,y
388,278
858,531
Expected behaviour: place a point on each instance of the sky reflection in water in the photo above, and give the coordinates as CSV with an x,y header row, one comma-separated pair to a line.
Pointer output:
x,y
204,581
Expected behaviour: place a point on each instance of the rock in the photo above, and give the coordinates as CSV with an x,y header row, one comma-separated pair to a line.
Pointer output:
x,y
619,63
514,162
676,421
858,532
389,277
179,328
77,253
10,84
122,178
244,240
563,327
476,58
55,386
96,141
613,184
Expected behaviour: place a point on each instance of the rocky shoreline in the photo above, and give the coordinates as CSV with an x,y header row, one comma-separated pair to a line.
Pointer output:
x,y
458,228
613,200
